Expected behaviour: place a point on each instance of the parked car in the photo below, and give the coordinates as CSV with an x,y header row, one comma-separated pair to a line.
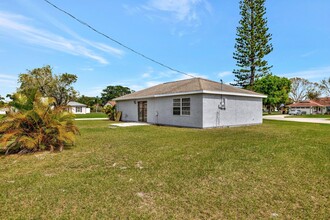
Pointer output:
x,y
295,112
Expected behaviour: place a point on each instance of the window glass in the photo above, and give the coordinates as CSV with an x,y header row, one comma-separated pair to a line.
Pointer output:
x,y
181,106
176,107
186,106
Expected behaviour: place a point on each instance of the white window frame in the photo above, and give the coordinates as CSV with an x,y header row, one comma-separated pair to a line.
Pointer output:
x,y
80,109
179,105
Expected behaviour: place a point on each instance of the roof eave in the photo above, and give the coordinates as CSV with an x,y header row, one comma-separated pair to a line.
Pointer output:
x,y
193,92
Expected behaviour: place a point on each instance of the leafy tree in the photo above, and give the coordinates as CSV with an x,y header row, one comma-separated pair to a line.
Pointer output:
x,y
313,94
44,81
302,89
276,88
112,92
325,85
1,101
252,44
44,127
87,100
98,103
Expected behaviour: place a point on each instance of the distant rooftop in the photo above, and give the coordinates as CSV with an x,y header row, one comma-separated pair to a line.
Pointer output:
x,y
320,102
76,104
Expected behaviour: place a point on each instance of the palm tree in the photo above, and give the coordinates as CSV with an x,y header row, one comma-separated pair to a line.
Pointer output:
x,y
1,101
325,85
44,127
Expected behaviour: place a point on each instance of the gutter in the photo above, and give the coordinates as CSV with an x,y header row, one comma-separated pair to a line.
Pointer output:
x,y
194,92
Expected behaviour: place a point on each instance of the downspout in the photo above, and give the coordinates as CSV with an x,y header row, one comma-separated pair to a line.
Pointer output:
x,y
222,105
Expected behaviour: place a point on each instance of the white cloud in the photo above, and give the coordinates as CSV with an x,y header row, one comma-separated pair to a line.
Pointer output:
x,y
7,81
148,73
87,69
151,78
6,76
190,75
152,83
145,75
106,48
93,92
103,47
308,54
181,10
15,26
224,74
189,13
311,74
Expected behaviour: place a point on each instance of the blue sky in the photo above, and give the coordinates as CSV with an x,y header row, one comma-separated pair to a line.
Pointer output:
x,y
194,36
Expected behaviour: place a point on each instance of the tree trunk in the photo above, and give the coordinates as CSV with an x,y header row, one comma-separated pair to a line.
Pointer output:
x,y
252,69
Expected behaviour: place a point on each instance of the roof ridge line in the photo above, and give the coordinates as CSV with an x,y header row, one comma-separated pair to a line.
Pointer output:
x,y
200,83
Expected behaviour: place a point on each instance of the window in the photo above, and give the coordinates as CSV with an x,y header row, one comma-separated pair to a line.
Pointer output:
x,y
181,106
186,106
176,107
78,109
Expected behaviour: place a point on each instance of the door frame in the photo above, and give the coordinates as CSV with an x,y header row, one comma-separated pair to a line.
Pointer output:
x,y
142,111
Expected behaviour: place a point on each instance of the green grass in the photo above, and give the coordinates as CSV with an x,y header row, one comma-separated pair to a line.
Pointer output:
x,y
272,113
149,172
2,116
92,115
308,116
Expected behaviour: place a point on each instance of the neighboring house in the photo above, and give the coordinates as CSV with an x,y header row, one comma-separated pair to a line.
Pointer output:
x,y
3,111
195,102
309,107
110,103
78,108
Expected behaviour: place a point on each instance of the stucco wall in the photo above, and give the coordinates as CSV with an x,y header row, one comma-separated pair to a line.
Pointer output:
x,y
129,110
238,111
160,111
308,110
84,110
204,111
164,108
311,110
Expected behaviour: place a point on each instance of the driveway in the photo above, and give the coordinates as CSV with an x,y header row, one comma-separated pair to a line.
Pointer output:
x,y
309,120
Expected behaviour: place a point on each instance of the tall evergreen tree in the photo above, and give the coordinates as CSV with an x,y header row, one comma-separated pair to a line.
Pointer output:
x,y
252,44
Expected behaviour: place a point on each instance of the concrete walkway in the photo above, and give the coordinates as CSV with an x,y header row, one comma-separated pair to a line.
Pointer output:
x,y
90,119
308,120
128,124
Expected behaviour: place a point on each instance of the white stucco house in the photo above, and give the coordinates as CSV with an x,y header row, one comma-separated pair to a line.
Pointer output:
x,y
2,111
312,107
78,108
196,102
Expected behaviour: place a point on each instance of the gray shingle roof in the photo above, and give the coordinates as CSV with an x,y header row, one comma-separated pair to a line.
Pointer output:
x,y
76,104
189,86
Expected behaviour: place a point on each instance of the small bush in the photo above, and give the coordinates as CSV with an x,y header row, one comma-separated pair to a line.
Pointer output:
x,y
43,127
110,111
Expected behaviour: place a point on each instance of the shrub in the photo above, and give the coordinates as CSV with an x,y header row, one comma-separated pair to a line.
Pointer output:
x,y
44,127
110,111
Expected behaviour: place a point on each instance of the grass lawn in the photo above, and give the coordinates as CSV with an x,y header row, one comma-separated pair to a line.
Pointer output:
x,y
272,113
308,116
275,170
92,115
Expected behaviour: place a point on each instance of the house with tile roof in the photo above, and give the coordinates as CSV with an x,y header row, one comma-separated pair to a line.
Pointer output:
x,y
196,102
309,107
78,108
110,103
